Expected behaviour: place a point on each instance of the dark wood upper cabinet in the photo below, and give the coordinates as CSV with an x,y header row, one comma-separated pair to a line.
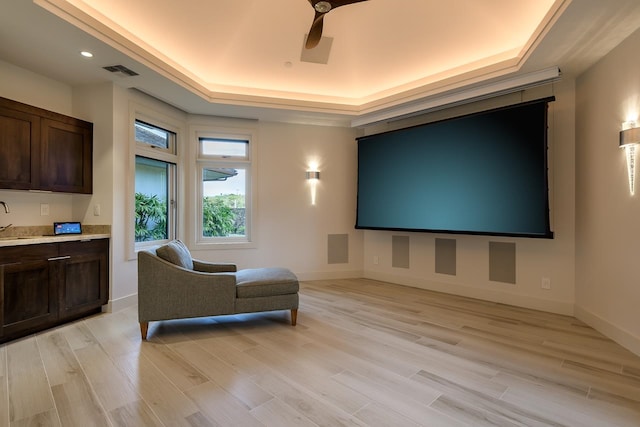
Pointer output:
x,y
43,150
66,157
19,149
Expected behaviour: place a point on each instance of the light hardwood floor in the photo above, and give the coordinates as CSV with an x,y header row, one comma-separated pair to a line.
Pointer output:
x,y
363,353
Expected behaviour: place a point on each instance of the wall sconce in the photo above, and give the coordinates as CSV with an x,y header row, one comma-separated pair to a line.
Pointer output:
x,y
313,176
629,138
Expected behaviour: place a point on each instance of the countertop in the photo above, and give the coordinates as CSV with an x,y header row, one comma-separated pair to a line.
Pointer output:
x,y
34,240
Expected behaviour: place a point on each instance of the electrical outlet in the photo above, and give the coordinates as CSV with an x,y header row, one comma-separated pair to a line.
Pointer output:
x,y
96,210
376,260
44,209
546,283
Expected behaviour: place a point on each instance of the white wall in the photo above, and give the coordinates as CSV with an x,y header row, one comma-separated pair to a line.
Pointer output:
x,y
607,216
535,258
95,104
292,230
30,88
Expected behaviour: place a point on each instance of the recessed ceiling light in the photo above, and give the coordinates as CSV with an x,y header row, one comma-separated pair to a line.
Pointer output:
x,y
86,54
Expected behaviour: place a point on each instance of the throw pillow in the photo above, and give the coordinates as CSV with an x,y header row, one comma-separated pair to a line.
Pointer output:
x,y
176,253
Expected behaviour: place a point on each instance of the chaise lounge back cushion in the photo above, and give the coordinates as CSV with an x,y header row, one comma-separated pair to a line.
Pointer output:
x,y
176,253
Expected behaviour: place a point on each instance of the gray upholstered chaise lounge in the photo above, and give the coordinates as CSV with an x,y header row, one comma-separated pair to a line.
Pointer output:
x,y
172,285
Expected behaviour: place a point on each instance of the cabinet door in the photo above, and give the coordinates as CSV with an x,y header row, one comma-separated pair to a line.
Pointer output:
x,y
19,149
85,281
66,157
29,297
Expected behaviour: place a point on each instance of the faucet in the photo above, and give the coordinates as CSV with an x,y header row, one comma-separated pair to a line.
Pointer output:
x,y
6,209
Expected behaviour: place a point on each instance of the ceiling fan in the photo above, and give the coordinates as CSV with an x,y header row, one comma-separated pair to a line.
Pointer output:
x,y
322,8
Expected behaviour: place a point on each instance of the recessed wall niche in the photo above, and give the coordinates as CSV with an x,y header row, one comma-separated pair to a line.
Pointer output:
x,y
502,262
400,251
446,256
338,249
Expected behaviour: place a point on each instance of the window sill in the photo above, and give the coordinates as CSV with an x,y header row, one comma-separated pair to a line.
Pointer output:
x,y
218,245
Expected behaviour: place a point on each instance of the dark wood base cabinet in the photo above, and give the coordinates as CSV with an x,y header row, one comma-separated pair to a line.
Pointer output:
x,y
44,285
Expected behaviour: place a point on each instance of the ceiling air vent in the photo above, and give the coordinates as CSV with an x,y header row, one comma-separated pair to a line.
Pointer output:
x,y
121,69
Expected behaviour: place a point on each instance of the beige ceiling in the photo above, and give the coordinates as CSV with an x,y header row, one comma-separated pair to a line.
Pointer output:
x,y
242,57
380,47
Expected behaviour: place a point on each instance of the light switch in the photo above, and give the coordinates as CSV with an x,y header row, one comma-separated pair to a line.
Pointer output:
x,y
96,210
44,209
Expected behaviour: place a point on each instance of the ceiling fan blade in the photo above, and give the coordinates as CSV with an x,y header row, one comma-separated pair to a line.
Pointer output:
x,y
315,32
321,8
334,3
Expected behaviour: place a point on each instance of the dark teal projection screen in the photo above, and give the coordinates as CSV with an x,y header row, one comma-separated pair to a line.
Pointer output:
x,y
484,173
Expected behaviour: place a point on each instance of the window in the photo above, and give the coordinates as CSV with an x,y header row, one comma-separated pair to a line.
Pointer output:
x,y
155,137
224,170
155,183
223,149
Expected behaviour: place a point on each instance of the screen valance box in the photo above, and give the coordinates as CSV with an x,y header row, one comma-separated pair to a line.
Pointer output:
x,y
61,228
484,173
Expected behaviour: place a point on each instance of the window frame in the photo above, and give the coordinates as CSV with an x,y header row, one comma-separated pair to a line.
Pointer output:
x,y
248,164
172,204
215,157
138,113
171,144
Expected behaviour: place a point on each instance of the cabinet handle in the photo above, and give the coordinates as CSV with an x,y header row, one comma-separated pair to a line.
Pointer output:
x,y
58,258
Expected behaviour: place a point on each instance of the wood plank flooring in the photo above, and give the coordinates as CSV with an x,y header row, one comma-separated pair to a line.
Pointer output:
x,y
364,353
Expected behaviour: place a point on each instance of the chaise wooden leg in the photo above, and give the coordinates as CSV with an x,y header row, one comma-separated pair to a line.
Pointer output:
x,y
294,316
144,327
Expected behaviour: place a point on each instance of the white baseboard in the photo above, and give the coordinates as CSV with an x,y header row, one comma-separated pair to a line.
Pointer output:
x,y
558,307
626,339
330,275
120,303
